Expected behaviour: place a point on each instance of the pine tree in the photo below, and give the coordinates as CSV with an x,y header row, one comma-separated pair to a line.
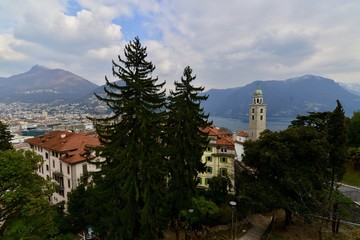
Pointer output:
x,y
186,140
132,179
337,138
5,137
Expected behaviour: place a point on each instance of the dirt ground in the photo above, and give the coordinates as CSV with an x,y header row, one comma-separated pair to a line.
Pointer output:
x,y
300,230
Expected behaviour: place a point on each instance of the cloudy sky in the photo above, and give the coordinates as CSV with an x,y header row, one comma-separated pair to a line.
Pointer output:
x,y
228,43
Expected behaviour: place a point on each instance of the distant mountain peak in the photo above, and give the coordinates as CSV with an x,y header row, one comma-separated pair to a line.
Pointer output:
x,y
38,67
42,84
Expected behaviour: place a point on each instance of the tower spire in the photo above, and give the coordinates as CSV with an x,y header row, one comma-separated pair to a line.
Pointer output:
x,y
257,115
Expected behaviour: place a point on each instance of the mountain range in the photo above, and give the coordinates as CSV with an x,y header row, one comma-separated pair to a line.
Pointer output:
x,y
283,97
42,85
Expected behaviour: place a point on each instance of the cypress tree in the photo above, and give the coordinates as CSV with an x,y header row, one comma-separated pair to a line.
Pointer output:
x,y
5,137
186,140
132,179
337,138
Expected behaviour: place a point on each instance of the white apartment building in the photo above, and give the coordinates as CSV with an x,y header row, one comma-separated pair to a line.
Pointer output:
x,y
65,155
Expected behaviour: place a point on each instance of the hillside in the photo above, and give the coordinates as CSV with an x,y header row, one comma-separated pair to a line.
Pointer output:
x,y
283,98
41,85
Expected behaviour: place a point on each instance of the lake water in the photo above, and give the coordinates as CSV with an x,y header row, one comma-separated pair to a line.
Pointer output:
x,y
236,124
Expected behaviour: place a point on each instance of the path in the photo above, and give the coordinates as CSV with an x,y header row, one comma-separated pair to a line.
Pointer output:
x,y
260,224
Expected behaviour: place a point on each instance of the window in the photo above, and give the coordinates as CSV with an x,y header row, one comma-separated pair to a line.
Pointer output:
x,y
252,117
47,155
47,167
209,149
209,169
56,154
223,149
223,160
52,153
61,167
68,170
253,110
209,159
207,180
261,110
223,172
69,185
199,180
261,117
53,163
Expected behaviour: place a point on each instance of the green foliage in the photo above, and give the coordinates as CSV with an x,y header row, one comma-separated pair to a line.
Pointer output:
x,y
35,227
288,170
21,189
219,187
23,197
132,180
185,141
337,139
354,130
5,137
202,211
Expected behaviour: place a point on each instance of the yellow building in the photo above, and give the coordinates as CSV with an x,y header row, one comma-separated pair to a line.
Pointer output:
x,y
219,156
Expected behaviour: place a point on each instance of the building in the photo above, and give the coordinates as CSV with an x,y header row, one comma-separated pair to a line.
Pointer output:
x,y
257,115
239,139
65,155
218,157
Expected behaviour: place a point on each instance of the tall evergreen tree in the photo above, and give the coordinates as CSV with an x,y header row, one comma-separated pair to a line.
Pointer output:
x,y
186,140
5,137
132,179
354,130
337,138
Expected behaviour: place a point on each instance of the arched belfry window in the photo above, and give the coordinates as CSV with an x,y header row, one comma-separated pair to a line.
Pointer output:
x,y
253,110
261,117
257,100
261,110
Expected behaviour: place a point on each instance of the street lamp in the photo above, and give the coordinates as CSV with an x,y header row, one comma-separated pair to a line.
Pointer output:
x,y
189,228
233,205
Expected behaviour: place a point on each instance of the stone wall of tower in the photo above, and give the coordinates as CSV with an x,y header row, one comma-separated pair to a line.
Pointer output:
x,y
257,116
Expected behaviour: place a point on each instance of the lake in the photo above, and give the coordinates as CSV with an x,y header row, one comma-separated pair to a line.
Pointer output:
x,y
242,123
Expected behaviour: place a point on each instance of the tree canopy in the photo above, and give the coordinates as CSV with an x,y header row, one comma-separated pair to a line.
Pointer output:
x,y
185,140
354,130
25,194
5,137
132,179
291,165
297,168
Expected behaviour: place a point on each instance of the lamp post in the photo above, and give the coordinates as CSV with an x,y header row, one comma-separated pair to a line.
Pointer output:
x,y
233,233
189,228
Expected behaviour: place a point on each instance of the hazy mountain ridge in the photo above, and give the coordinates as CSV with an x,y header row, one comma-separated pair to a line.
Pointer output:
x,y
351,87
290,97
41,84
283,97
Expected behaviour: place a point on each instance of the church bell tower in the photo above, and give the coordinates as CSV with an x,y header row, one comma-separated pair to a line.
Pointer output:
x,y
257,115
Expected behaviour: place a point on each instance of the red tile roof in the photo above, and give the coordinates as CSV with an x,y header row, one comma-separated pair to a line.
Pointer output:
x,y
73,145
223,136
242,134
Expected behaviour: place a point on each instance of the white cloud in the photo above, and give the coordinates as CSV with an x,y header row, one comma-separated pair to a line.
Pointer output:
x,y
227,43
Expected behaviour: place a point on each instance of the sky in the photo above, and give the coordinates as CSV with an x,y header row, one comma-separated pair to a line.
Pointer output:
x,y
227,43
